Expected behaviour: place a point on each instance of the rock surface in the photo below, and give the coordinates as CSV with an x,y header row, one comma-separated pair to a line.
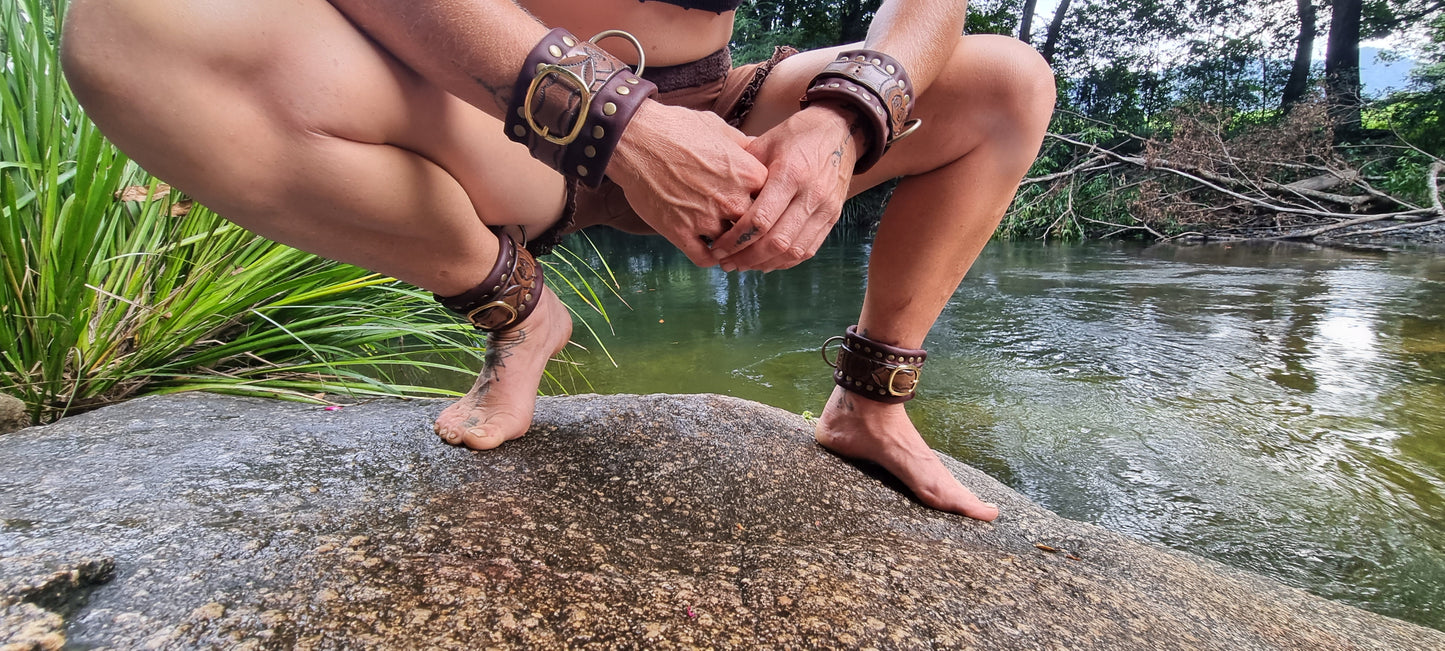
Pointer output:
x,y
621,521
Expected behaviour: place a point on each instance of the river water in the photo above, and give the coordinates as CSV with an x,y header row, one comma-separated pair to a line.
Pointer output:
x,y
1276,408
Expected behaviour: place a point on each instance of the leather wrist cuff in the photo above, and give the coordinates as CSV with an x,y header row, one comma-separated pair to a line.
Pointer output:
x,y
571,102
877,87
507,296
874,370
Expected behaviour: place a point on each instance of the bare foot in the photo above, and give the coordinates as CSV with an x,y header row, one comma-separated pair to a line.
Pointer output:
x,y
859,428
499,406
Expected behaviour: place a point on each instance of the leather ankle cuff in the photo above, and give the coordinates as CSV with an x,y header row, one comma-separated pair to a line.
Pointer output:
x,y
875,370
875,86
507,296
572,101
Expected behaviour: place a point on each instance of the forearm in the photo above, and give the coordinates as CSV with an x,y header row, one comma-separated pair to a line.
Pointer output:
x,y
921,34
470,48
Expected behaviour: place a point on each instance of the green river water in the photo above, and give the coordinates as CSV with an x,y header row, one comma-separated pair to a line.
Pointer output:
x,y
1277,408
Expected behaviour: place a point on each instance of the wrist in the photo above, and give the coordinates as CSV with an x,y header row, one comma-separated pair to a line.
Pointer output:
x,y
846,120
633,148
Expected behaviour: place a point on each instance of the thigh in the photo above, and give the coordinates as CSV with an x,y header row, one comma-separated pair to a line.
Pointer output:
x,y
242,89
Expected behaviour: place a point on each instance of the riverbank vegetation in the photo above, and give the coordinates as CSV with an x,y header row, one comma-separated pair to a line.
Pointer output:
x,y
112,285
1195,118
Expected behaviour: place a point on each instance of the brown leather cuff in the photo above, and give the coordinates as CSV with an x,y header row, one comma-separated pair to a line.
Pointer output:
x,y
875,370
876,86
571,103
507,296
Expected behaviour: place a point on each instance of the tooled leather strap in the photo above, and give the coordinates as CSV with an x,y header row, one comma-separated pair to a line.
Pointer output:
x,y
571,102
875,370
508,294
876,86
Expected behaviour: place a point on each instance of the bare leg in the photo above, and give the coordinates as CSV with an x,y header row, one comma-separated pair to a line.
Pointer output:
x,y
283,118
983,122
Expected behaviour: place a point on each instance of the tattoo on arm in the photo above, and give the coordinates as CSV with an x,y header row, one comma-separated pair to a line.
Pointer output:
x,y
502,95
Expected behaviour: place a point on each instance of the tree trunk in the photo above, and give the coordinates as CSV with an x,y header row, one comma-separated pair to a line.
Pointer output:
x,y
1342,67
1057,24
854,20
1299,73
1026,19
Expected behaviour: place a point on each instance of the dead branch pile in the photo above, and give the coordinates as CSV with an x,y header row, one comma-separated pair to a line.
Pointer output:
x,y
1284,181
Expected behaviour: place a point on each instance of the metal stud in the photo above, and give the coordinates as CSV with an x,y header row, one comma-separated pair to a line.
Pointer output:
x,y
527,298
521,112
581,170
833,85
569,41
853,88
540,66
554,50
878,355
633,80
590,151
520,130
623,90
890,68
890,358
609,108
878,62
598,132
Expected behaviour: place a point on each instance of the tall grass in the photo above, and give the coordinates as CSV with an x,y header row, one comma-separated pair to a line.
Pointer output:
x,y
105,296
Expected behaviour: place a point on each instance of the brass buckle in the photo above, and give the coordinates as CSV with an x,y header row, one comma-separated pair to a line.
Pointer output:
x,y
471,316
571,77
914,371
830,362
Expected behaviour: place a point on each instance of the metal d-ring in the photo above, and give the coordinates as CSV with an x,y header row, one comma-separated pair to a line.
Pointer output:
x,y
641,56
824,350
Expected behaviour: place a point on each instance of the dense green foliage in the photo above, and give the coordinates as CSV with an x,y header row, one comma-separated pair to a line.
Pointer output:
x,y
1129,70
111,286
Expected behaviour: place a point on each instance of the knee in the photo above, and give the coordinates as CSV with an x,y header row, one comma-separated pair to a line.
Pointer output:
x,y
83,59
1006,77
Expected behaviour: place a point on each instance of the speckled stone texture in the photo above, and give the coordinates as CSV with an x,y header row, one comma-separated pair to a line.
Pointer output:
x,y
12,414
618,522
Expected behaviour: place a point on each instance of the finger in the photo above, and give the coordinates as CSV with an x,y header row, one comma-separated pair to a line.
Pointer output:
x,y
776,241
814,232
695,248
772,200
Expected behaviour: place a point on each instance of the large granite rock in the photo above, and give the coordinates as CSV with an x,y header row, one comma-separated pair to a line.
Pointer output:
x,y
622,521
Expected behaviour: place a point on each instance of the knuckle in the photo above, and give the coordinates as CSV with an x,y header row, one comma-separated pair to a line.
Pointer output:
x,y
797,253
776,245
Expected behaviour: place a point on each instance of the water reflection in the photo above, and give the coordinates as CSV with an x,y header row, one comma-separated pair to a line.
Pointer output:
x,y
1277,408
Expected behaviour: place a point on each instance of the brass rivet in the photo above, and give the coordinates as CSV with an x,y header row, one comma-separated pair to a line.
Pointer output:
x,y
848,378
623,90
853,88
860,58
857,384
598,132
540,66
882,392
867,349
581,170
520,130
900,84
554,50
842,57
527,298
833,85
890,69
878,109
890,358
590,151
878,355
522,112
633,80
907,99
569,41
878,62
609,108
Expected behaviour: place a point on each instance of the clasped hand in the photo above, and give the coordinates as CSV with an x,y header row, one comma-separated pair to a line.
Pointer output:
x,y
743,203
